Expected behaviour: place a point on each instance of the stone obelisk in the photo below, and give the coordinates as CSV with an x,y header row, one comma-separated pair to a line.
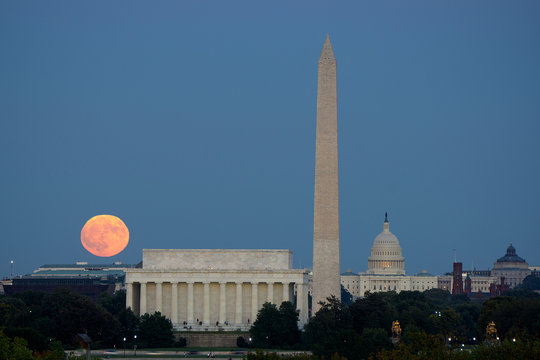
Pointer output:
x,y
326,275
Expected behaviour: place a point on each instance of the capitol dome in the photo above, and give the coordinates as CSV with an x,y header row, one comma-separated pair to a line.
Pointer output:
x,y
386,258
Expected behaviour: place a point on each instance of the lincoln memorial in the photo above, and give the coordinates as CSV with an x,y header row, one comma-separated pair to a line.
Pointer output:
x,y
215,289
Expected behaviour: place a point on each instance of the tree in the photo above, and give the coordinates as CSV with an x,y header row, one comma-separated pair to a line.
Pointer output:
x,y
414,310
129,324
265,329
275,328
469,313
72,313
531,282
373,311
12,311
289,331
448,323
156,331
14,349
331,330
372,341
34,339
504,311
113,303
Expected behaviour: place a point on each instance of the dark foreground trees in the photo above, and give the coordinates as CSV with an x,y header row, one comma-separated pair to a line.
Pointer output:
x,y
16,348
60,315
276,328
334,330
434,325
155,331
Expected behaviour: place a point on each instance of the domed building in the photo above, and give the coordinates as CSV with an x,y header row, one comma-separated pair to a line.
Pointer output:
x,y
386,258
511,267
386,269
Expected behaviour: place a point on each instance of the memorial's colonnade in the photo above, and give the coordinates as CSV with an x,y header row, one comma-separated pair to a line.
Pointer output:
x,y
214,298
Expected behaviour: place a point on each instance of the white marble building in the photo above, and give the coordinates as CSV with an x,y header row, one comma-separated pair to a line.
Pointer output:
x,y
386,269
215,289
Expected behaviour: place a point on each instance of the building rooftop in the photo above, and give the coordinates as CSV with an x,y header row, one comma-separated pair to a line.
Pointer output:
x,y
511,256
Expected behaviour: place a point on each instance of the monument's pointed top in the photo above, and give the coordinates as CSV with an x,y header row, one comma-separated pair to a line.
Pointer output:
x,y
327,54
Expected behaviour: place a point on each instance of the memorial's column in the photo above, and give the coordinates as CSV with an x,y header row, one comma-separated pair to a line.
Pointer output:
x,y
142,310
285,292
129,295
270,292
206,308
159,297
301,303
190,302
174,303
222,303
254,301
238,312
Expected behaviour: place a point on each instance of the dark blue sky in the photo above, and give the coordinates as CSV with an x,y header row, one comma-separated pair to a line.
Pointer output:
x,y
194,122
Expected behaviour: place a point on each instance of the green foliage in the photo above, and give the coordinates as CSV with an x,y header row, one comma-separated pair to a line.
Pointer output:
x,y
469,313
72,313
35,340
448,323
414,310
521,293
115,303
14,349
373,311
13,311
55,352
531,282
129,325
155,331
331,331
276,328
371,341
512,316
438,297
422,346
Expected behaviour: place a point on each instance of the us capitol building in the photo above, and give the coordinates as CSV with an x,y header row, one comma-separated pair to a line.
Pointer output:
x,y
386,269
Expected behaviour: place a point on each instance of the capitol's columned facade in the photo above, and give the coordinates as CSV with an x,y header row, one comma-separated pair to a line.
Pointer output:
x,y
386,269
215,289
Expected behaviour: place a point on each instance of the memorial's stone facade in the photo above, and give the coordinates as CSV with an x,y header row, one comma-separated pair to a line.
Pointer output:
x,y
215,289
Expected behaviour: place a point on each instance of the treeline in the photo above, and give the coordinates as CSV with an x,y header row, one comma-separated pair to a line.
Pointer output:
x,y
431,322
42,319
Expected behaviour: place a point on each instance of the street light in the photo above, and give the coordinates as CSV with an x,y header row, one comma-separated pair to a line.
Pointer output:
x,y
11,277
135,346
124,347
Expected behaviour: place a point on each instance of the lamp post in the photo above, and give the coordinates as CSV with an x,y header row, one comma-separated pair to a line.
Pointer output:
x,y
135,345
11,277
124,347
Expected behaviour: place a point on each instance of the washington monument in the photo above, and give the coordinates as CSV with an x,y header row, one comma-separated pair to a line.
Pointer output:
x,y
326,278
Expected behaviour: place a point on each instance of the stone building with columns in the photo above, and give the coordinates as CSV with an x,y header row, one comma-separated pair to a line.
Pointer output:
x,y
215,289
386,269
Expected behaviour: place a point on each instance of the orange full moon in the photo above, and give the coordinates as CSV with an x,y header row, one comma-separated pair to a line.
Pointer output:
x,y
105,235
